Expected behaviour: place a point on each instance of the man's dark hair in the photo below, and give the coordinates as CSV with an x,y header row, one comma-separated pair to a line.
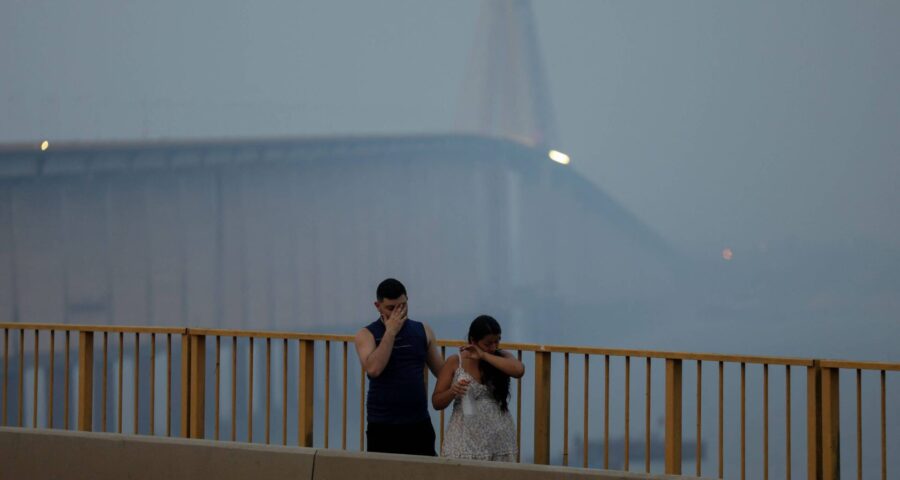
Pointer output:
x,y
390,288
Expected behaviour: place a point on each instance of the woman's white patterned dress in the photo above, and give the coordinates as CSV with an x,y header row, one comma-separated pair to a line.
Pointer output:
x,y
488,434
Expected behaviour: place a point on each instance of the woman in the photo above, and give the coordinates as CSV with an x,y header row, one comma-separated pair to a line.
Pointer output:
x,y
481,371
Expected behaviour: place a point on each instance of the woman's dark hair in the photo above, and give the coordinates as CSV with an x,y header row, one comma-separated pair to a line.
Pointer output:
x,y
496,381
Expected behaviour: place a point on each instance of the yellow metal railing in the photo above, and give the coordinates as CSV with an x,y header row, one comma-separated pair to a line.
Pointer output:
x,y
199,352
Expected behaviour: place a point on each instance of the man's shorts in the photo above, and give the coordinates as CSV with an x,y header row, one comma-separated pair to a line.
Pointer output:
x,y
409,438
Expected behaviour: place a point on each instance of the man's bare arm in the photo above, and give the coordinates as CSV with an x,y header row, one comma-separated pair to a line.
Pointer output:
x,y
433,356
373,359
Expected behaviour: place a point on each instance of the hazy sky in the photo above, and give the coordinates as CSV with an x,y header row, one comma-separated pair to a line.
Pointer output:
x,y
748,124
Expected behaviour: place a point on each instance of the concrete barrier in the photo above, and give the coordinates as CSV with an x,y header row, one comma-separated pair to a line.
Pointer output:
x,y
27,454
340,465
53,454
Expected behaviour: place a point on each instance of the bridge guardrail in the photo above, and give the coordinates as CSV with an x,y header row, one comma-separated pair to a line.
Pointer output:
x,y
207,358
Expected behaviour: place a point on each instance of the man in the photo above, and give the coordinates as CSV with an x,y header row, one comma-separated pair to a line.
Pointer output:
x,y
393,351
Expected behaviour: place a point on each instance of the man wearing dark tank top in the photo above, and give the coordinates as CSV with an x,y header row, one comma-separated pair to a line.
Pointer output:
x,y
394,351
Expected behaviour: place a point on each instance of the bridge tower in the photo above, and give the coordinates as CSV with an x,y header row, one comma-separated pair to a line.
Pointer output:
x,y
505,91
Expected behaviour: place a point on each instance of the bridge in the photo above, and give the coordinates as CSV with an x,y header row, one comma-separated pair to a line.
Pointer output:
x,y
109,250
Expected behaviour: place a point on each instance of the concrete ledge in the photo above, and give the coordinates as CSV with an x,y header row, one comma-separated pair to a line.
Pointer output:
x,y
53,454
340,465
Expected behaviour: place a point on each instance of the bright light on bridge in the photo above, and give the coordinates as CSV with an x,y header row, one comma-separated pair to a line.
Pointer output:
x,y
45,145
559,157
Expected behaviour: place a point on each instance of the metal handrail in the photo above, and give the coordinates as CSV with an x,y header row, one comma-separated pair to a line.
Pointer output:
x,y
822,390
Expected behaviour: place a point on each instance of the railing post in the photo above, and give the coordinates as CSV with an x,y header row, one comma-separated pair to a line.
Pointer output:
x,y
831,434
814,421
85,380
673,416
198,385
542,408
823,422
307,381
185,385
193,385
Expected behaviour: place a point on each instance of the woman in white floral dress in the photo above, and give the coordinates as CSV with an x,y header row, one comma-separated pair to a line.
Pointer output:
x,y
481,372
